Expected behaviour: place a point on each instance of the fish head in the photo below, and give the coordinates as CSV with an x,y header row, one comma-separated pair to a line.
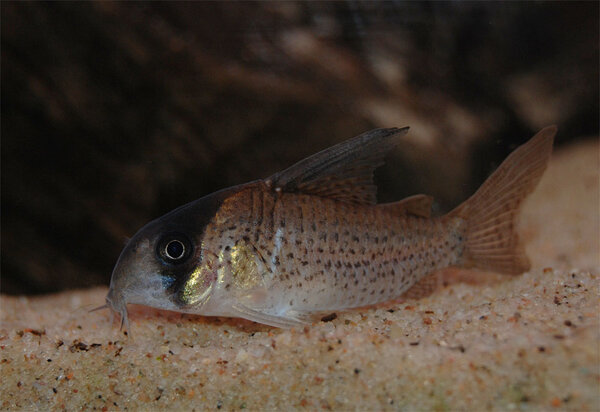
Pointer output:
x,y
165,264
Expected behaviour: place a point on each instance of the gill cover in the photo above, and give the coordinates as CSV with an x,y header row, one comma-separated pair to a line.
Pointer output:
x,y
162,264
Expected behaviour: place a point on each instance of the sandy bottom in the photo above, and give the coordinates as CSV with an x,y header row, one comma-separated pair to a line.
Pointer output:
x,y
528,342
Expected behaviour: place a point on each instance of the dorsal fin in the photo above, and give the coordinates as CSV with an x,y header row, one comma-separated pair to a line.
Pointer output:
x,y
417,205
342,172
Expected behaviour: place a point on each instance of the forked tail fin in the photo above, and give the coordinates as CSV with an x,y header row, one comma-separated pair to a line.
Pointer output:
x,y
491,240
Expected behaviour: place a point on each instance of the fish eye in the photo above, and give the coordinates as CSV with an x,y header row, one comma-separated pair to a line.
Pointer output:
x,y
174,248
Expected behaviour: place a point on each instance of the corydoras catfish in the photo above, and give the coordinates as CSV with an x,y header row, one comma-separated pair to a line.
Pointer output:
x,y
311,238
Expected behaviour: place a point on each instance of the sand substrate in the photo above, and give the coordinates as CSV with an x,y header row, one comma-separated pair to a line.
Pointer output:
x,y
529,342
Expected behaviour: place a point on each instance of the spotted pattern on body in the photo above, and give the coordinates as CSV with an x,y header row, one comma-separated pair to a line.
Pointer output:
x,y
312,254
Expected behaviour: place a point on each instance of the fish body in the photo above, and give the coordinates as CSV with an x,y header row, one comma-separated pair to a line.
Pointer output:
x,y
311,239
301,253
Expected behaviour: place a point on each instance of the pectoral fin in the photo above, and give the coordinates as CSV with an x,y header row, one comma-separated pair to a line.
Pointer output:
x,y
290,319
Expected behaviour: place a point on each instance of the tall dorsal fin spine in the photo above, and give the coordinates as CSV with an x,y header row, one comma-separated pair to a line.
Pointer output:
x,y
343,172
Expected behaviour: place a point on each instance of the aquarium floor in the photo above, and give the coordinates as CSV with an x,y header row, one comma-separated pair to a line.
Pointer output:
x,y
487,342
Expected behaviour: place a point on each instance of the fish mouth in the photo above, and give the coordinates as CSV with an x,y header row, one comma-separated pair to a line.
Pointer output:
x,y
142,288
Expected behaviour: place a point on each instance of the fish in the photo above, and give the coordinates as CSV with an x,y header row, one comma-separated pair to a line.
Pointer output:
x,y
312,239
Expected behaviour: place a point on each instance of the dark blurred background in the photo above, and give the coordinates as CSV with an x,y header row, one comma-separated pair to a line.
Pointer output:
x,y
114,113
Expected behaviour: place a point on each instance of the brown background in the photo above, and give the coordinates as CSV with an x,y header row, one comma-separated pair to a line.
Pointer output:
x,y
115,113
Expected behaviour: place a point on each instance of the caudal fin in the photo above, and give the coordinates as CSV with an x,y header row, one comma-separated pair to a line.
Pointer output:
x,y
491,240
